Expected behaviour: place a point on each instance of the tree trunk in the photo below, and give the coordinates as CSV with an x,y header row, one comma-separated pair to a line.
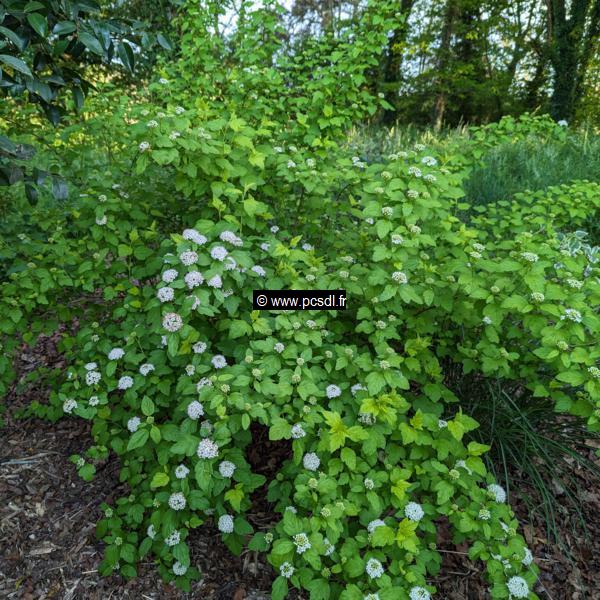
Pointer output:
x,y
571,44
443,60
391,74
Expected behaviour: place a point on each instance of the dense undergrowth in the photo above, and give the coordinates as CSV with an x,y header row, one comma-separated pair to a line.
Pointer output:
x,y
180,205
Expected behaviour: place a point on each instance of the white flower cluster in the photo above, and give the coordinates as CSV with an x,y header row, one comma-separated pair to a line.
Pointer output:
x,y
133,424
301,542
575,284
366,418
177,501
169,275
530,256
311,461
204,382
225,524
286,570
116,354
517,587
572,315
258,270
172,322
227,469
173,539
329,547
419,593
399,277
195,410
594,372
373,525
298,431
374,568
497,492
333,391
69,405
181,472
125,382
199,347
193,279
215,282
414,511
165,294
537,297
219,361
218,253
188,258
207,449
179,569
485,514
92,377
194,236
146,368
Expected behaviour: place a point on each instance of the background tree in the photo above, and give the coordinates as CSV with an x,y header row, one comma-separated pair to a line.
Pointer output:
x,y
573,40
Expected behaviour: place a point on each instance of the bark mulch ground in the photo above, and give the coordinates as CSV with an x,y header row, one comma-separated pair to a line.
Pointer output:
x,y
48,547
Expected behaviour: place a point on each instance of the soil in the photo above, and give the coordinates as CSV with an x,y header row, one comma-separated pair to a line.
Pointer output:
x,y
48,547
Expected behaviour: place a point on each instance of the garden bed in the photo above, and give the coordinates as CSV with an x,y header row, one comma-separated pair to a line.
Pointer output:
x,y
49,549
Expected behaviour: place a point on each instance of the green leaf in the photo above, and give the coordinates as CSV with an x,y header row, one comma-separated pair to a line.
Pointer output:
x,y
349,457
428,296
16,63
280,588
235,497
279,430
64,28
444,491
13,37
574,378
164,41
181,553
383,536
160,479
138,439
91,43
147,406
38,24
126,55
476,449
456,429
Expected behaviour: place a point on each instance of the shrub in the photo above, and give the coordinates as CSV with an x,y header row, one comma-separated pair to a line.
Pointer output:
x,y
174,369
